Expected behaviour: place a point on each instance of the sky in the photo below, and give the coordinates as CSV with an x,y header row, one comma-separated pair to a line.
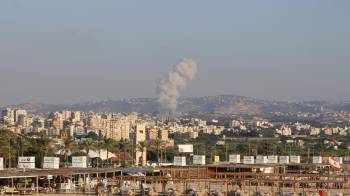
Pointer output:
x,y
75,51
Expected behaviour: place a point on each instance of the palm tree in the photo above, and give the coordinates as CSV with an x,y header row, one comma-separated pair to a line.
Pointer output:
x,y
87,146
69,147
158,146
109,145
7,145
142,147
22,145
124,146
43,146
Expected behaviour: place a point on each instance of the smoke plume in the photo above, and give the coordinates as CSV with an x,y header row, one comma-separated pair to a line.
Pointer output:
x,y
170,87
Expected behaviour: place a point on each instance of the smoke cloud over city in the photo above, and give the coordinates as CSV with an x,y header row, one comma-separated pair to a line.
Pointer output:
x,y
171,86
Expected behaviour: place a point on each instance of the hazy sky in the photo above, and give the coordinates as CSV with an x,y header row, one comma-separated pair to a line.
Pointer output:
x,y
68,51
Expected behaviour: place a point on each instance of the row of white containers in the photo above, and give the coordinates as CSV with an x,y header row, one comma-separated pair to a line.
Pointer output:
x,y
49,162
264,159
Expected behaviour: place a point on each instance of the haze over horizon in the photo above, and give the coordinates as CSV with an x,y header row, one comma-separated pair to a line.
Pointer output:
x,y
77,51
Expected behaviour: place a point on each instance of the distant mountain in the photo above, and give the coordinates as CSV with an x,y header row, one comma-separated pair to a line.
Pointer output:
x,y
219,105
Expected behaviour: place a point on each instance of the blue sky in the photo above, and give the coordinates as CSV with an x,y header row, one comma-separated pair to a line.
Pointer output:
x,y
73,51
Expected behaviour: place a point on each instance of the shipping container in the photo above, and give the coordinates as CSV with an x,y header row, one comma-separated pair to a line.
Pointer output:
x,y
199,160
235,158
248,160
180,161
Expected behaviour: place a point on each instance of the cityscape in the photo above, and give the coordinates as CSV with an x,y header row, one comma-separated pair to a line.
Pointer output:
x,y
192,98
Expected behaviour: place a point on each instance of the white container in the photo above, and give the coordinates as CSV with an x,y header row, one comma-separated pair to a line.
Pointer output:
x,y
261,159
26,165
283,159
26,159
294,159
248,160
1,163
272,159
317,160
235,158
199,160
79,162
180,161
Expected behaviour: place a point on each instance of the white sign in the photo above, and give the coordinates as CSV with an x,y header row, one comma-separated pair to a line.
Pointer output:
x,y
26,162
199,160
51,163
1,163
294,159
180,161
248,159
272,159
26,159
317,160
79,162
261,159
234,158
284,159
186,148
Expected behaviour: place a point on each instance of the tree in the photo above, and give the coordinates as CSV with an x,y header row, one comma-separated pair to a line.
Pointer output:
x,y
142,147
22,145
8,146
124,146
109,145
87,146
158,147
69,147
43,146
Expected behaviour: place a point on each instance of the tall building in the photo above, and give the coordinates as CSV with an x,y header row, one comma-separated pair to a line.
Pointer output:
x,y
152,134
140,136
19,112
8,116
164,134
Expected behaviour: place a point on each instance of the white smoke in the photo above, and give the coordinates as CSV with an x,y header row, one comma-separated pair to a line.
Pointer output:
x,y
170,87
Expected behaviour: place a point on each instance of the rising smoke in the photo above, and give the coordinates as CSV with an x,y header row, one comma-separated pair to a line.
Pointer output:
x,y
170,87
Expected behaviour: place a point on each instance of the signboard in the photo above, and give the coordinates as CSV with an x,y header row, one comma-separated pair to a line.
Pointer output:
x,y
199,160
284,159
1,163
261,159
317,160
185,148
180,161
26,162
234,158
294,159
272,159
79,162
248,159
51,163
